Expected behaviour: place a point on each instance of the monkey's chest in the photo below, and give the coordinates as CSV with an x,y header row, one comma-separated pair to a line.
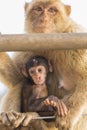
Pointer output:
x,y
39,92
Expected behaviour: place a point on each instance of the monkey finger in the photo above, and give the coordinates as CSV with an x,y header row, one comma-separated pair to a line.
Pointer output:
x,y
58,110
27,120
5,119
44,102
61,109
16,114
47,102
19,121
52,103
64,108
11,116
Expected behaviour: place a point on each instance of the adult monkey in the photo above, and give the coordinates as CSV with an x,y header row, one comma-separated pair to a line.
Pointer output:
x,y
52,16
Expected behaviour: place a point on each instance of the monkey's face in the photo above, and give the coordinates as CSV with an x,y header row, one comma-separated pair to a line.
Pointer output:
x,y
40,18
38,74
45,16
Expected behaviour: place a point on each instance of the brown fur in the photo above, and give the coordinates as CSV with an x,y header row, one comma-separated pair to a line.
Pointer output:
x,y
71,65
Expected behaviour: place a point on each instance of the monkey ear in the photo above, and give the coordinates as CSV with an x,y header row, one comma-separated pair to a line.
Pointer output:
x,y
50,66
23,70
68,9
26,6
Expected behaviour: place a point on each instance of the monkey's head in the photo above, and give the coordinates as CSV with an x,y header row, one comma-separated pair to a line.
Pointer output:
x,y
37,70
37,61
46,16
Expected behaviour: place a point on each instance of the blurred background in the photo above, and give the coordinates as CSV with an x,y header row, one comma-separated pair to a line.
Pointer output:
x,y
12,18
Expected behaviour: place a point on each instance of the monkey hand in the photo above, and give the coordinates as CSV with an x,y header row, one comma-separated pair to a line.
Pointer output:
x,y
18,119
29,116
58,104
23,119
15,119
9,118
6,119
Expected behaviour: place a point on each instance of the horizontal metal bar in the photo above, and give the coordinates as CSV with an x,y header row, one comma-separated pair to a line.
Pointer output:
x,y
26,42
44,117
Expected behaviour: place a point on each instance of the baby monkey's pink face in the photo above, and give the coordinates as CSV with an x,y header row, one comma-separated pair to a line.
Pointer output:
x,y
38,74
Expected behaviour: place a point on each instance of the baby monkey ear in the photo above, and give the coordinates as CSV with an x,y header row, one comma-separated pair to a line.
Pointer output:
x,y
24,72
50,66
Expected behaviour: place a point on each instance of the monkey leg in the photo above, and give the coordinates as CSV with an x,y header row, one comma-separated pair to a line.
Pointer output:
x,y
40,125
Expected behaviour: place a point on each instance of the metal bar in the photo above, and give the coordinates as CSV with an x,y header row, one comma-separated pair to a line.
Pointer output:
x,y
44,117
26,42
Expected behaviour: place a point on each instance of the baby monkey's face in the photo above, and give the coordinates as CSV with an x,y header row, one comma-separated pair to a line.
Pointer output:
x,y
38,74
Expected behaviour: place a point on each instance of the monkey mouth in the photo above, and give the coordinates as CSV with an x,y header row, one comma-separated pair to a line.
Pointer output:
x,y
40,25
41,29
39,79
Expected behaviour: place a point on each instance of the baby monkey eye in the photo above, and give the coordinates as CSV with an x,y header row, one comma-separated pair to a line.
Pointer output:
x,y
39,70
31,72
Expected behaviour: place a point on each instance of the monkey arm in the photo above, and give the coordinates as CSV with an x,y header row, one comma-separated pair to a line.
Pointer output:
x,y
10,110
39,107
77,105
11,107
12,100
36,104
9,73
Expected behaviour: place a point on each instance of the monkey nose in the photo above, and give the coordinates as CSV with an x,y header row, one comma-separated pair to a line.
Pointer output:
x,y
38,77
43,18
36,74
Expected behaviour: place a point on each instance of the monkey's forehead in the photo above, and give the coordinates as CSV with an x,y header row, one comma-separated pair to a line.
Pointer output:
x,y
45,1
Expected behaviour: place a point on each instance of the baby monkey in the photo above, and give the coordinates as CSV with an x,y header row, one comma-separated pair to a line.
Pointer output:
x,y
37,70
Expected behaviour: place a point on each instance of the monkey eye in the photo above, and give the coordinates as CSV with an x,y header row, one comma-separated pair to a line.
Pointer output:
x,y
39,70
52,10
38,9
31,72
